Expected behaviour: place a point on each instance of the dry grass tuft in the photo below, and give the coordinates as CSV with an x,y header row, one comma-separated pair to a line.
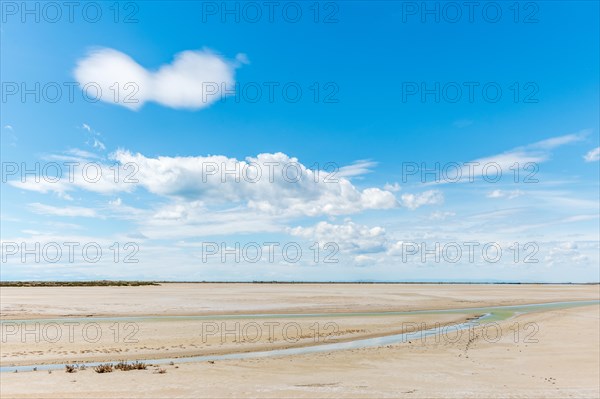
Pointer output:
x,y
104,368
124,366
70,368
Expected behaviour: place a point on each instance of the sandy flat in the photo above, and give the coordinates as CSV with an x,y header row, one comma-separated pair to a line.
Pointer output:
x,y
199,299
35,343
554,353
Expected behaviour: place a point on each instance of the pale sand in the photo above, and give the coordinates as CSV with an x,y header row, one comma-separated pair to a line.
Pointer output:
x,y
161,339
198,299
564,362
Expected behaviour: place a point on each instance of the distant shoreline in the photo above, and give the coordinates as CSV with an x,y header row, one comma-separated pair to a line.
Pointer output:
x,y
135,283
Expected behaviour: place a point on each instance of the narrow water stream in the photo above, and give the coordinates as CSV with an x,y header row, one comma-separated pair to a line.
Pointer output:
x,y
489,314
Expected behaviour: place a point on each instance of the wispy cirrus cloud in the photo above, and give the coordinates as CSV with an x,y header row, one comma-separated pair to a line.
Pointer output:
x,y
357,168
70,211
537,152
519,157
508,194
592,155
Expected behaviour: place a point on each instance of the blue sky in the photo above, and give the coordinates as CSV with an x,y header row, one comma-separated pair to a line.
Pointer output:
x,y
363,69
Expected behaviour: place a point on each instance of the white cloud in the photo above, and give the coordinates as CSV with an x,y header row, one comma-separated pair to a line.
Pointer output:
x,y
94,176
118,202
358,168
545,225
9,135
508,194
506,162
242,58
31,232
70,211
98,144
94,140
555,142
441,215
194,79
268,183
204,197
566,252
392,187
414,201
348,236
535,152
592,155
78,153
191,219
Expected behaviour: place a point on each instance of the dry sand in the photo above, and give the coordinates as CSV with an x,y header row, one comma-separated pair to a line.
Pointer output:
x,y
199,299
564,362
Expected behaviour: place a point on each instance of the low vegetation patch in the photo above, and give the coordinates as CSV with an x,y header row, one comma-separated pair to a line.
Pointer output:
x,y
124,366
104,368
100,283
70,368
